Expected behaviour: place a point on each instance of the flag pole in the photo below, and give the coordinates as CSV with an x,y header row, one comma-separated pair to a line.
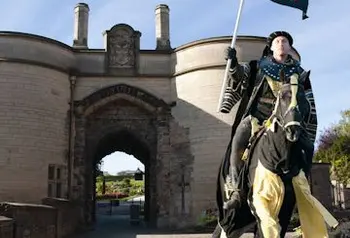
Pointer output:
x,y
228,64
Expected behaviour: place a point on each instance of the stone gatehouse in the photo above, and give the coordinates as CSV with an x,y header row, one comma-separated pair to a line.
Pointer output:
x,y
63,108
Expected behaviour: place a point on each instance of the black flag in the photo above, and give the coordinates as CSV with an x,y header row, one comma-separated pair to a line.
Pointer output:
x,y
299,4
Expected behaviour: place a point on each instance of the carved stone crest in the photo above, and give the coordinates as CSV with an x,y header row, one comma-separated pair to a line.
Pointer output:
x,y
122,49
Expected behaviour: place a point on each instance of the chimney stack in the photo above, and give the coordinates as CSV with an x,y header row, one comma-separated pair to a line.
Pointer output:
x,y
162,27
81,20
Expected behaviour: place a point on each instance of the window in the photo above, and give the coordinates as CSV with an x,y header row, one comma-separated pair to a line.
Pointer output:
x,y
58,190
51,172
49,192
58,173
55,181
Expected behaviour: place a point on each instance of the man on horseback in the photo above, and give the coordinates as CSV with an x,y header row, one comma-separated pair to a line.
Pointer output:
x,y
261,101
254,88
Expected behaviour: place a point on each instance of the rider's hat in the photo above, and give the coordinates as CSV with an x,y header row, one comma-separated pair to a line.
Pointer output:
x,y
267,51
275,34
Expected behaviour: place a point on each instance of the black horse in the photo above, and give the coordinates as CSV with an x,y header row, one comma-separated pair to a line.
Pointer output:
x,y
279,151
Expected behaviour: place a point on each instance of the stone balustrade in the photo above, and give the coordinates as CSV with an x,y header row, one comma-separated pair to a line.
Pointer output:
x,y
31,220
55,218
67,215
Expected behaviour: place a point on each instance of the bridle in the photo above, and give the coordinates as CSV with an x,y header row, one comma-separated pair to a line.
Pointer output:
x,y
280,119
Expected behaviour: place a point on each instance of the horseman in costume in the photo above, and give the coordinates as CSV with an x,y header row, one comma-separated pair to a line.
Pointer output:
x,y
276,57
253,86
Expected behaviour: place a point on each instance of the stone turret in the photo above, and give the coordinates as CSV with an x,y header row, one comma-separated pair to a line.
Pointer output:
x,y
162,27
81,20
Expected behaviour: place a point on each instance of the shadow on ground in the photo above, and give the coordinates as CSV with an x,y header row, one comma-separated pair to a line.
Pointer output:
x,y
118,226
114,222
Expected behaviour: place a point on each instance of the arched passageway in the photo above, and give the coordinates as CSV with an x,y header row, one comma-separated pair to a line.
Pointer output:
x,y
129,119
126,142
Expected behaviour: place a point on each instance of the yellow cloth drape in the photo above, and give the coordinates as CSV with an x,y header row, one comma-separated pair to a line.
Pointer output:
x,y
312,214
268,193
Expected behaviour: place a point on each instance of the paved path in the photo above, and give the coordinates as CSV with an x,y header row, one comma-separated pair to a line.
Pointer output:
x,y
118,226
106,209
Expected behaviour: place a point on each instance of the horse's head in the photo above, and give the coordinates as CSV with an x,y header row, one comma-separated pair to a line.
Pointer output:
x,y
291,106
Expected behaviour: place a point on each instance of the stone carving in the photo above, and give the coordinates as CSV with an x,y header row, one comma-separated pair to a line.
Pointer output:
x,y
122,47
124,89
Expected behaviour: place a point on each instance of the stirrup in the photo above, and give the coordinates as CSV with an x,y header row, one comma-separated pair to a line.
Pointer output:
x,y
229,190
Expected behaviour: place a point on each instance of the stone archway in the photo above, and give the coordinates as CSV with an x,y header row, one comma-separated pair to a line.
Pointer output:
x,y
132,142
104,117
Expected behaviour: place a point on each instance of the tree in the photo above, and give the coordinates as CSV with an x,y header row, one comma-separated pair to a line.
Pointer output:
x,y
327,138
344,124
334,148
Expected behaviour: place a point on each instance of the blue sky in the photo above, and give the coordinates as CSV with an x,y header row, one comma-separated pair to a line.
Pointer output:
x,y
322,40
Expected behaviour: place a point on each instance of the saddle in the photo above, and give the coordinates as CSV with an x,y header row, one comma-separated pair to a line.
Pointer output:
x,y
256,128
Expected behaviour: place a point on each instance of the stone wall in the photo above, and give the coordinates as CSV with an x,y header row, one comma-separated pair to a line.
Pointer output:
x,y
321,186
33,134
31,220
36,50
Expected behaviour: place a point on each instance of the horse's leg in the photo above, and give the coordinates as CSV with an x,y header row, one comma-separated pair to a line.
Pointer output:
x,y
287,208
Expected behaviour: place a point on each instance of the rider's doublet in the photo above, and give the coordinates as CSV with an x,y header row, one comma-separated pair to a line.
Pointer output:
x,y
268,84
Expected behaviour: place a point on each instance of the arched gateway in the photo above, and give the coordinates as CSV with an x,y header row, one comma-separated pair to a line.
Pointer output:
x,y
124,118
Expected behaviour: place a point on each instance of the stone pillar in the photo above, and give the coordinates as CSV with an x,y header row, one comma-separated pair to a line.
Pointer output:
x,y
81,19
163,184
162,27
321,186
